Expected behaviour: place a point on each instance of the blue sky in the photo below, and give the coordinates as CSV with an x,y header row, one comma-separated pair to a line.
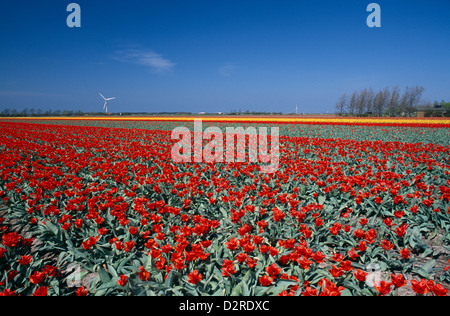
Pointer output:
x,y
216,55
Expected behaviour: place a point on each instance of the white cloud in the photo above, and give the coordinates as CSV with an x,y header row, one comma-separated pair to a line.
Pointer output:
x,y
227,70
147,58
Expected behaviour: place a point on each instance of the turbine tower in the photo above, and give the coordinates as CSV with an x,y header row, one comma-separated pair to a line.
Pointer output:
x,y
105,106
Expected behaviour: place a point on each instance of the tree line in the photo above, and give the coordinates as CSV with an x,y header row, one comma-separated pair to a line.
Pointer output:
x,y
389,101
39,113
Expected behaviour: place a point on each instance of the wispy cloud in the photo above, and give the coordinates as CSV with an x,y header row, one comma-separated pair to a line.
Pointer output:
x,y
146,58
227,70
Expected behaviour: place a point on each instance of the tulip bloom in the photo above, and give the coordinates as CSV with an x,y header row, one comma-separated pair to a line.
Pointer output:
x,y
383,287
41,291
25,260
81,291
37,277
360,275
265,280
228,268
335,271
194,277
405,253
123,280
11,239
420,287
398,280
144,275
273,270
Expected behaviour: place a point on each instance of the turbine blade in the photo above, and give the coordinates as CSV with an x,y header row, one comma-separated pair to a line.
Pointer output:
x,y
102,96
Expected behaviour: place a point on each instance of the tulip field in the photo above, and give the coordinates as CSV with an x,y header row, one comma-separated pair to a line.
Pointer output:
x,y
98,207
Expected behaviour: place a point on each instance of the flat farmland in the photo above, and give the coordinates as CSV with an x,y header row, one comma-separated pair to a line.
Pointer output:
x,y
98,206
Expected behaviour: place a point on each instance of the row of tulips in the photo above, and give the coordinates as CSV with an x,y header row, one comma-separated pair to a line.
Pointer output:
x,y
110,203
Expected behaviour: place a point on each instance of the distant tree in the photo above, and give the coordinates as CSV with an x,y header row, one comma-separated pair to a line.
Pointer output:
x,y
6,112
380,101
351,105
446,106
341,104
387,96
393,101
361,102
368,105
427,105
410,99
388,100
428,113
438,113
415,96
67,113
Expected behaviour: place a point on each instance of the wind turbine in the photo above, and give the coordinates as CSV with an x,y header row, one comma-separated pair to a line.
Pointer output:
x,y
105,106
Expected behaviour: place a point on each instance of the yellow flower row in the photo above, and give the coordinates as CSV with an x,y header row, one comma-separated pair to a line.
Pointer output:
x,y
256,119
